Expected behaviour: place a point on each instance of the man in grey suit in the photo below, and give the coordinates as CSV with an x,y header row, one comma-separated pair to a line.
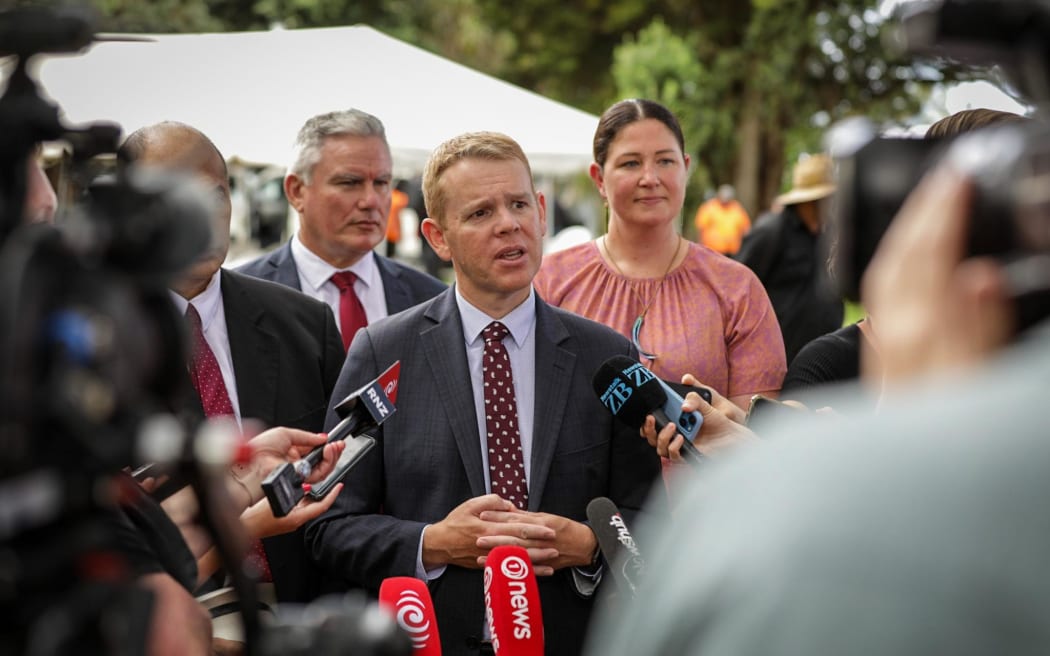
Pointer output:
x,y
436,494
340,184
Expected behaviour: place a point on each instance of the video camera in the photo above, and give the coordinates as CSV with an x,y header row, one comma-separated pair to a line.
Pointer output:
x,y
92,362
1009,163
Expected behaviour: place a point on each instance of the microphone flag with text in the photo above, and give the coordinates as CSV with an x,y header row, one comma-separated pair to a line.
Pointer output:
x,y
622,557
408,599
364,409
631,392
512,603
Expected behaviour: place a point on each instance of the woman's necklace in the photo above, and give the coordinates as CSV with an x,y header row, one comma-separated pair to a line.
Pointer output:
x,y
639,321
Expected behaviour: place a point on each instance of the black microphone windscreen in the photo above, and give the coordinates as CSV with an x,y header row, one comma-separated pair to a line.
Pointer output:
x,y
624,395
621,554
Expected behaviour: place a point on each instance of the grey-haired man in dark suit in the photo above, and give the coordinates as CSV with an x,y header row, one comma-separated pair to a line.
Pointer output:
x,y
340,184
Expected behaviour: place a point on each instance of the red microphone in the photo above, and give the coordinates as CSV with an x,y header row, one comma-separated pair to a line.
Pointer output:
x,y
512,603
409,600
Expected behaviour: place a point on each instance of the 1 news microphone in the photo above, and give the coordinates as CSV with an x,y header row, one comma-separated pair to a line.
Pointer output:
x,y
408,599
631,392
512,603
362,410
624,560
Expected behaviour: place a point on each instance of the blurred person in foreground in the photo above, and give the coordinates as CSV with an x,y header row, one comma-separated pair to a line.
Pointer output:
x,y
340,183
458,470
721,222
687,308
918,531
782,251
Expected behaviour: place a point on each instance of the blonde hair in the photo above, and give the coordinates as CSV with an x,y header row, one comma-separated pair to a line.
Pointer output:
x,y
491,146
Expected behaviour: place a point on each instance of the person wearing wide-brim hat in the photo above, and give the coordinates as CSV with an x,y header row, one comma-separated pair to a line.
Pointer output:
x,y
782,250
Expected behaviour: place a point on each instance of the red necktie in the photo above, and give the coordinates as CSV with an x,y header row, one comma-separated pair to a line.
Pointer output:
x,y
352,315
506,462
205,372
207,380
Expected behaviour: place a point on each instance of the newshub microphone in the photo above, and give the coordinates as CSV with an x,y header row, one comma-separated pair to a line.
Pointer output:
x,y
512,603
362,410
622,557
408,599
631,392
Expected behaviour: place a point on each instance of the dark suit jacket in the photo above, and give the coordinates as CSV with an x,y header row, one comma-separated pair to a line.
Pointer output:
x,y
403,285
286,355
428,460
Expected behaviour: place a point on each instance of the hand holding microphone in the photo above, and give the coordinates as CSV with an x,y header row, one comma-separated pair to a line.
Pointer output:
x,y
632,393
719,431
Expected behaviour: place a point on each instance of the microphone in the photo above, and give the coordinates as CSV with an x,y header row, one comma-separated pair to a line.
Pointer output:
x,y
622,556
512,603
363,409
408,599
631,392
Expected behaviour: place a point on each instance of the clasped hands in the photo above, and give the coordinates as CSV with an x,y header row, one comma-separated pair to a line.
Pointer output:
x,y
466,535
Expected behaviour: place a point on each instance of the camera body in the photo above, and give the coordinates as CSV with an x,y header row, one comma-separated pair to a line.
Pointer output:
x,y
1009,162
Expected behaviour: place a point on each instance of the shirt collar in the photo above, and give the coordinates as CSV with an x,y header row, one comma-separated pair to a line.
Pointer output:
x,y
518,321
208,302
315,272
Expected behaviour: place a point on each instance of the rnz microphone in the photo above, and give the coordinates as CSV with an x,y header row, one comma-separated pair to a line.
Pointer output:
x,y
631,392
512,603
363,409
408,599
624,560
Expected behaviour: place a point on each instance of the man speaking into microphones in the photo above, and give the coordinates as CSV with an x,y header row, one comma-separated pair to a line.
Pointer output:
x,y
498,439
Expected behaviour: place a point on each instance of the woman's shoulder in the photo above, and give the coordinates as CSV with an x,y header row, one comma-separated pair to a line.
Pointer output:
x,y
570,257
560,266
714,268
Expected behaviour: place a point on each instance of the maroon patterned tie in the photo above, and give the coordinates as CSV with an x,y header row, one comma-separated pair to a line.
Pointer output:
x,y
506,462
352,315
205,372
208,381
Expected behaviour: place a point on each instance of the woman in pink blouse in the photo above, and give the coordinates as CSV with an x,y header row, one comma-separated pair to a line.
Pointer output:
x,y
687,308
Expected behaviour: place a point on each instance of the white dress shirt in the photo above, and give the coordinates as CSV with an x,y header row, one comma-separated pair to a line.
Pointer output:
x,y
213,322
315,281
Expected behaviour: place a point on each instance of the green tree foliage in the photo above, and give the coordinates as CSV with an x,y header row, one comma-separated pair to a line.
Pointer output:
x,y
563,49
755,83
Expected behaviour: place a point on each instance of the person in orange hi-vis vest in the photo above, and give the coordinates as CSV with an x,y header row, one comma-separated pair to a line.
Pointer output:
x,y
398,202
721,222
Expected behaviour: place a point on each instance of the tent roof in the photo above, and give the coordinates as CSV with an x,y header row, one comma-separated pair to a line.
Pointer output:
x,y
251,91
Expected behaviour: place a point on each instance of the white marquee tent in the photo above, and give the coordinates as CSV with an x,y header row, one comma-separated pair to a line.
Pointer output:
x,y
251,91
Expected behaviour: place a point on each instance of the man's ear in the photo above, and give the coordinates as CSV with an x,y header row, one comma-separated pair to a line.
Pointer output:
x,y
436,238
541,205
293,191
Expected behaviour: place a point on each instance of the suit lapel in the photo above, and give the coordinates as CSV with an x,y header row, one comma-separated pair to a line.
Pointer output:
x,y
554,369
446,355
254,351
285,271
397,296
